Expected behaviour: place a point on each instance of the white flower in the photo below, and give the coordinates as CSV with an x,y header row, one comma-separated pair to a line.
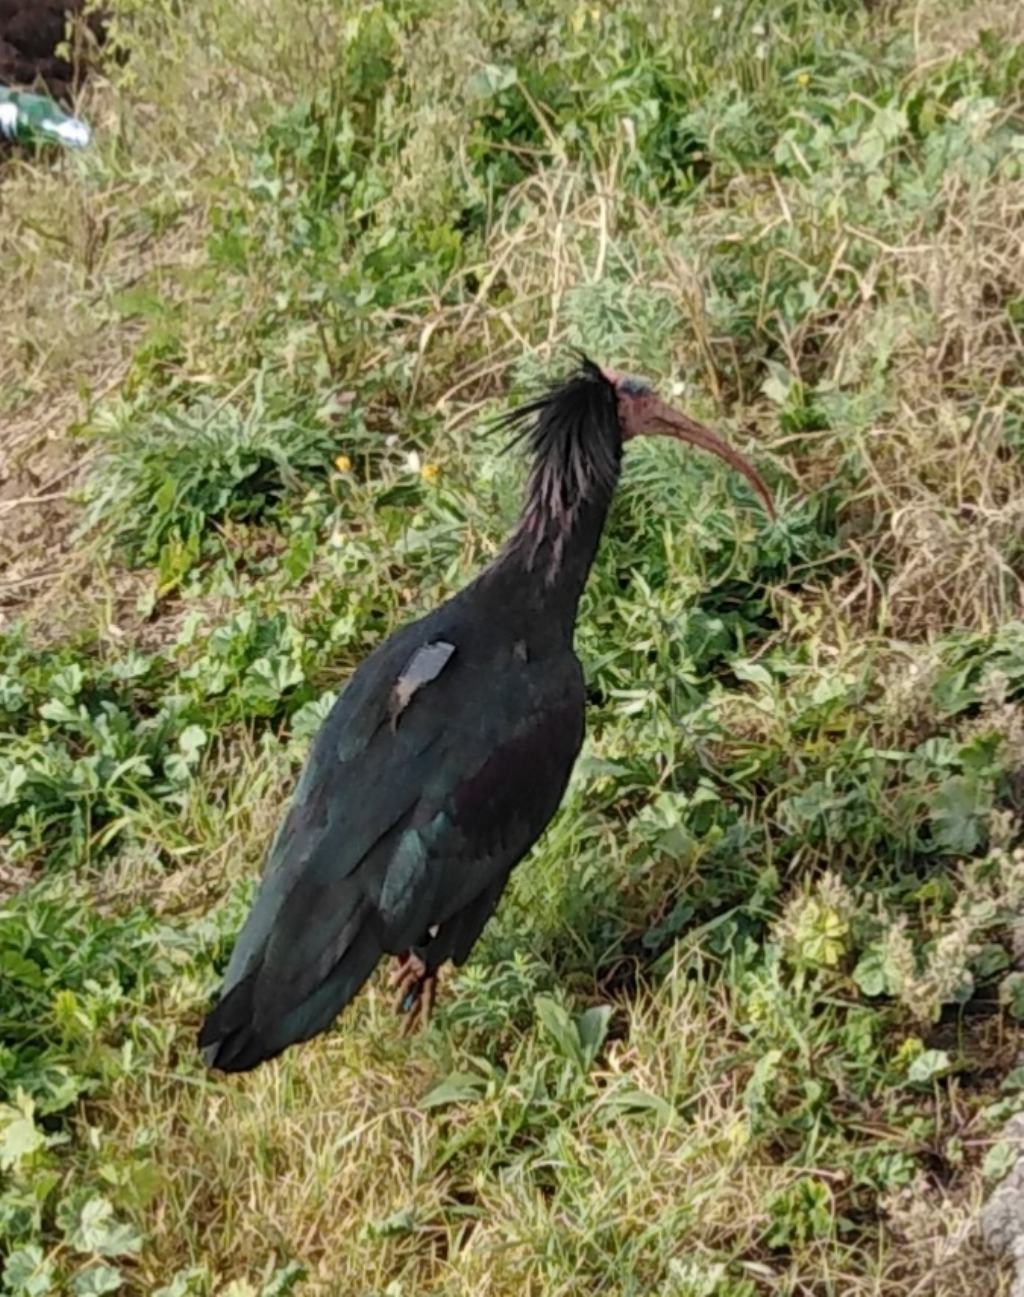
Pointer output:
x,y
716,14
413,462
759,29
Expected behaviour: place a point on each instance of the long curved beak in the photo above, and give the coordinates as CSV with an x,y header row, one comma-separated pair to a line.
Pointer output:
x,y
661,420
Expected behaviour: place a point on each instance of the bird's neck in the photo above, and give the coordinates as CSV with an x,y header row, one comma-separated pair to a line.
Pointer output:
x,y
544,566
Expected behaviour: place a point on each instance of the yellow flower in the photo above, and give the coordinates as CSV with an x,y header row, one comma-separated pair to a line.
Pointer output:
x,y
430,472
803,79
342,463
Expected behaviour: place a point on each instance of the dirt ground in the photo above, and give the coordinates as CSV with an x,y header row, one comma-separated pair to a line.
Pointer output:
x,y
30,31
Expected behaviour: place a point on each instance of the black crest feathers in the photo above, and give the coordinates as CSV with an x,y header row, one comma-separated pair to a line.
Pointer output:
x,y
573,437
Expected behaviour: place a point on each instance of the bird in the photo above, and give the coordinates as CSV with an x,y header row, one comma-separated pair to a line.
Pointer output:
x,y
447,754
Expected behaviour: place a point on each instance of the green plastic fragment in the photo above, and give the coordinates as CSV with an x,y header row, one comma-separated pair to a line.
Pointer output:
x,y
28,118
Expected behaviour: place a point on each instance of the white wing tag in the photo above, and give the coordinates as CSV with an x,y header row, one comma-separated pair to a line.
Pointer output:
x,y
426,664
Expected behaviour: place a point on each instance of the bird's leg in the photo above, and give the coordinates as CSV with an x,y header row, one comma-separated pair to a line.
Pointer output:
x,y
415,991
422,1007
406,979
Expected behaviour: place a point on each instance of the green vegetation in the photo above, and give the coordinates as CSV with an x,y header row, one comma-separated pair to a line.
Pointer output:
x,y
747,1021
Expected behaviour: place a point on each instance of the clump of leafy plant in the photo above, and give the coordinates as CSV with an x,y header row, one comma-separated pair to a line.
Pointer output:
x,y
167,478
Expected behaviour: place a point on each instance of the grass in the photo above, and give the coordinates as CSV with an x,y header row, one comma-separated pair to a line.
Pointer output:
x,y
748,1020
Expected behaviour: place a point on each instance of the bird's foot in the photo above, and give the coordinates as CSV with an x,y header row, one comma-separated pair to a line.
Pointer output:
x,y
405,978
415,991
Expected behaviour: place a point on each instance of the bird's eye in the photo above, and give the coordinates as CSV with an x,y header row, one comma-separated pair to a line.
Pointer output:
x,y
634,387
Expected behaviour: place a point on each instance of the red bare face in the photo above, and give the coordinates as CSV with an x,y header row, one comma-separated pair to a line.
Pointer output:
x,y
642,413
636,401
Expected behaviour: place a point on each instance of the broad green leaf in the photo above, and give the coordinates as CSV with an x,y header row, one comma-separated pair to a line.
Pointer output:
x,y
186,1283
755,1096
13,777
753,672
490,80
68,681
96,1281
872,974
1011,991
958,811
93,1228
590,767
929,1064
306,721
561,1030
460,1087
191,742
61,713
28,1273
20,1137
1000,1159
631,1099
778,383
592,1028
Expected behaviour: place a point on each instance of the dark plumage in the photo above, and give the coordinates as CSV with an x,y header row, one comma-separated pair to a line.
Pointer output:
x,y
447,754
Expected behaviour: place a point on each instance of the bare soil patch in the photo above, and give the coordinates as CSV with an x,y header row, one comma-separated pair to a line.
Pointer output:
x,y
31,31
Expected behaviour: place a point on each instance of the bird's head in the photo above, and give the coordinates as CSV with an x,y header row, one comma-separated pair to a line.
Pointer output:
x,y
577,429
641,412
